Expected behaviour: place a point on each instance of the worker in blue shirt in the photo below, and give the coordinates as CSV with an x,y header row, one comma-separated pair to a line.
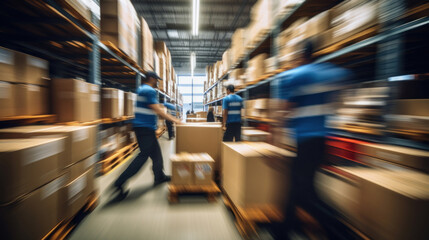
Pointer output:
x,y
306,93
232,105
145,124
171,109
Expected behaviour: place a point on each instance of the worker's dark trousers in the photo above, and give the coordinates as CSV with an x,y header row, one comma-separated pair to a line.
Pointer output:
x,y
170,128
233,130
149,147
310,154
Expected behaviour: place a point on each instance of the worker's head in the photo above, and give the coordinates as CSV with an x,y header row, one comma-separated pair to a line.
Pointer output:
x,y
173,102
151,79
230,89
211,109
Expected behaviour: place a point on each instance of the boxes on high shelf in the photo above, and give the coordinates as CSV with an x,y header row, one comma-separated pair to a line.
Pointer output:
x,y
255,135
256,67
129,102
226,60
74,193
28,164
7,99
31,99
146,46
71,98
94,102
37,211
110,103
79,143
256,175
237,45
289,42
260,21
7,65
200,138
319,23
270,65
192,169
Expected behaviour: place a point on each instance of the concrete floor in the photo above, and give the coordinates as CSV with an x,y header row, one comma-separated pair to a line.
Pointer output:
x,y
146,213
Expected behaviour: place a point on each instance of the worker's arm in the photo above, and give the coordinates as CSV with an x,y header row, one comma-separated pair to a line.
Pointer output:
x,y
158,110
224,118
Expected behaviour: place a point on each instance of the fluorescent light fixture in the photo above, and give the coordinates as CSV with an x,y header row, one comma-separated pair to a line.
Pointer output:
x,y
193,62
173,33
195,16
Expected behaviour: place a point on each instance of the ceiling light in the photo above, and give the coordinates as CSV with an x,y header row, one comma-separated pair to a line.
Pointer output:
x,y
193,63
173,33
195,16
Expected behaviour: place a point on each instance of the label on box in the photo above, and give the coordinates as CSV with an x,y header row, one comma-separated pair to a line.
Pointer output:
x,y
80,135
77,186
90,161
33,88
183,171
43,151
5,89
6,56
202,170
82,87
95,98
53,187
37,62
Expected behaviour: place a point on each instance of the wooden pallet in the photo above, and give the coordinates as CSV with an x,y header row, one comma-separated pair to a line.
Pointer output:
x,y
161,132
247,219
28,120
175,190
263,77
77,123
115,120
123,55
87,24
119,157
63,229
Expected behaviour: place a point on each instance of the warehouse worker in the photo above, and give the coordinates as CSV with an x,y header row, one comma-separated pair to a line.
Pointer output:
x,y
232,105
145,124
171,109
306,92
210,115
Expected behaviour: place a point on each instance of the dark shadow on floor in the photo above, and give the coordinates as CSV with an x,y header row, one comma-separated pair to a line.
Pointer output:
x,y
132,195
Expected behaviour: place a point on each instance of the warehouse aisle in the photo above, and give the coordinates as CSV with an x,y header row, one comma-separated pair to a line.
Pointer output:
x,y
146,213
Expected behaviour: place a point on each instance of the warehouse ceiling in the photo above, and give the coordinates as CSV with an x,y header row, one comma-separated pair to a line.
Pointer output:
x,y
171,21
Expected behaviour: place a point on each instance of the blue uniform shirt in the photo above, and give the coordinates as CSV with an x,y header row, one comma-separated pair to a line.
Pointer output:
x,y
144,115
171,109
310,89
233,103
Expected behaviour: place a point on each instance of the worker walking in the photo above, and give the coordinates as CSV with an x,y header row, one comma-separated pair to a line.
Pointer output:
x,y
210,115
145,124
171,109
232,105
306,93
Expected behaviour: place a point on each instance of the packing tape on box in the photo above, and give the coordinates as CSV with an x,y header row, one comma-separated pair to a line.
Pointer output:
x,y
76,187
53,187
5,90
43,151
37,62
6,56
80,135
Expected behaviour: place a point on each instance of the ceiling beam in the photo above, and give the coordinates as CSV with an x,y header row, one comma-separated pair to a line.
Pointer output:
x,y
187,3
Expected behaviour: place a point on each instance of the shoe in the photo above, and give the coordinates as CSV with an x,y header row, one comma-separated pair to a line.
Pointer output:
x,y
119,191
165,179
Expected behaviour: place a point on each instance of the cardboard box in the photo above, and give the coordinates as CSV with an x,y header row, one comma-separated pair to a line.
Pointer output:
x,y
28,164
237,45
70,99
93,112
256,68
31,99
110,103
414,158
319,23
121,103
251,180
194,120
31,70
200,138
254,135
201,114
7,98
413,107
37,213
203,169
74,194
80,141
129,101
146,46
226,60
181,169
192,169
7,65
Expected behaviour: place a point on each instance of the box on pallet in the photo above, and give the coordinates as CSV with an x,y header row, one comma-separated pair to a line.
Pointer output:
x,y
192,169
129,101
254,135
7,99
80,141
71,98
260,23
256,67
256,175
200,138
31,99
146,46
111,106
119,24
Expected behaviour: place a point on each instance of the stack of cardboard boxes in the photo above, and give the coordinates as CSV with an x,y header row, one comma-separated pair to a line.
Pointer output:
x,y
47,176
23,84
147,62
261,20
119,24
257,108
254,135
256,67
192,169
237,45
115,138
